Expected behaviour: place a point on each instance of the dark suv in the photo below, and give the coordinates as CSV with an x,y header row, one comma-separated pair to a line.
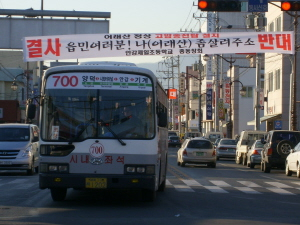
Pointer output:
x,y
276,148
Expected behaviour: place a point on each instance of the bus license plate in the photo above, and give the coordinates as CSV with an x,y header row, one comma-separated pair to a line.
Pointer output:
x,y
99,183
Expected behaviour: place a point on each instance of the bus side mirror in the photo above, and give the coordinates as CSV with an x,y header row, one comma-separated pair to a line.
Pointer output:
x,y
162,119
30,111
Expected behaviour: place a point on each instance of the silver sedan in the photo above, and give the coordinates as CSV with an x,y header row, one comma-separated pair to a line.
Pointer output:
x,y
254,154
196,151
226,148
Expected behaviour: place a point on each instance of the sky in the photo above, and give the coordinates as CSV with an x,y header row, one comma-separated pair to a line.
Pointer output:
x,y
130,16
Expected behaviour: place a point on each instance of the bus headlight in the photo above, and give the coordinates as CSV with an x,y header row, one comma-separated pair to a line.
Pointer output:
x,y
140,169
54,168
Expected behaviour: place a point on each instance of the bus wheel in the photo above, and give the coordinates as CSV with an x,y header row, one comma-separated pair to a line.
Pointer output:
x,y
162,186
149,195
58,194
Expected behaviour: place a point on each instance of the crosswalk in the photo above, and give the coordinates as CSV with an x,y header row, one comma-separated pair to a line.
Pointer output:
x,y
192,185
247,187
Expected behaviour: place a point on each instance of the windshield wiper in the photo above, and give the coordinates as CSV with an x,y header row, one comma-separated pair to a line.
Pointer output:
x,y
112,132
81,131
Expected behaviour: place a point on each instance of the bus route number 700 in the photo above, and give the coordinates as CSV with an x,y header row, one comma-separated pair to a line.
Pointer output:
x,y
66,81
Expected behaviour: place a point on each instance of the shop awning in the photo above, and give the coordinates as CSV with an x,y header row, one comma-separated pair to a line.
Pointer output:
x,y
264,118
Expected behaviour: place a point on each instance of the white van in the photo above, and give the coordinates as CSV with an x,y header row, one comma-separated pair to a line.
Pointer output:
x,y
19,147
214,135
246,140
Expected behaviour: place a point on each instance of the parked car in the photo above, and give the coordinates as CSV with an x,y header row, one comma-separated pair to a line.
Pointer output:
x,y
277,147
245,141
196,151
214,135
226,148
174,141
254,154
292,163
19,148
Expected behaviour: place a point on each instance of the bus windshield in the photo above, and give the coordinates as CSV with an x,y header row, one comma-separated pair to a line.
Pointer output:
x,y
79,114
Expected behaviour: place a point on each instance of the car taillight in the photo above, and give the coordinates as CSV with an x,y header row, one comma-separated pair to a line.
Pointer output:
x,y
255,152
214,153
270,150
184,152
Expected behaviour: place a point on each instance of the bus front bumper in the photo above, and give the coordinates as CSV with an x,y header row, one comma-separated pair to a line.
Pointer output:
x,y
96,181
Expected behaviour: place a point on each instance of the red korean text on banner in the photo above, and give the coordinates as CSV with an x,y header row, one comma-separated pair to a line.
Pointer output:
x,y
172,93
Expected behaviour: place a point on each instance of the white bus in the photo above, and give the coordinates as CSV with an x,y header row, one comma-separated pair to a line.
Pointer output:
x,y
103,126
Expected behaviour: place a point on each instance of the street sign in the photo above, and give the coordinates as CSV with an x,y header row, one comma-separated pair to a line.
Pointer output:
x,y
277,124
258,6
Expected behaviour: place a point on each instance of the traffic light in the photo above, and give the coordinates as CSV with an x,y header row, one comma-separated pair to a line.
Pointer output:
x,y
290,6
219,5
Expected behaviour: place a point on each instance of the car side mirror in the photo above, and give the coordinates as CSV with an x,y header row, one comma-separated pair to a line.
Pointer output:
x,y
30,111
35,139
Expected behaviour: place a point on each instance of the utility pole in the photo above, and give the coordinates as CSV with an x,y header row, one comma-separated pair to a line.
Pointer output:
x,y
217,96
257,105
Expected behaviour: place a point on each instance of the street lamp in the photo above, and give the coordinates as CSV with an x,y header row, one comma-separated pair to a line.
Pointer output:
x,y
14,85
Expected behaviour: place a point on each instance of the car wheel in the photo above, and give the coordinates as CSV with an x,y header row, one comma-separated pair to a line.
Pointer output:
x,y
30,171
182,164
262,166
287,170
248,163
284,147
244,160
178,161
267,169
58,194
36,169
237,160
251,165
213,165
298,170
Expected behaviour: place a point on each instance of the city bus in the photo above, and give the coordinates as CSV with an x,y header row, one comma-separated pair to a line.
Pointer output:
x,y
103,126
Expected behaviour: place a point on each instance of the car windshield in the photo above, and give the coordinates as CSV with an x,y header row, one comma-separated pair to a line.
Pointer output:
x,y
174,138
227,142
202,144
14,134
258,145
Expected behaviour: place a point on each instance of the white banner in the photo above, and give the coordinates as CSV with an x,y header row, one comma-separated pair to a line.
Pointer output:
x,y
41,48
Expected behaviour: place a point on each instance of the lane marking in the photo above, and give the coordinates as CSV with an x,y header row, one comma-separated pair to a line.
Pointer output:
x,y
215,189
247,190
192,183
280,191
249,184
183,188
278,185
220,183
